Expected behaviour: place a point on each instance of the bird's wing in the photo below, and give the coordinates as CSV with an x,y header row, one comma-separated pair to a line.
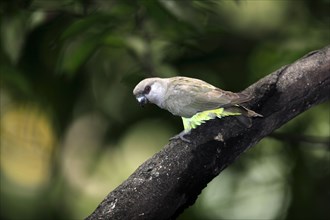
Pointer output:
x,y
212,98
194,95
224,98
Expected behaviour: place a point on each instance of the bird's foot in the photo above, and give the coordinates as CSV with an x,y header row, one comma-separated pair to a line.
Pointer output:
x,y
181,136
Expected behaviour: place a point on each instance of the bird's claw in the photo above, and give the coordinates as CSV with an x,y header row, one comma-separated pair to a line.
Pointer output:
x,y
181,136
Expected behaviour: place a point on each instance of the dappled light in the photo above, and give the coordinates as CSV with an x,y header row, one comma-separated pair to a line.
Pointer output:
x,y
71,130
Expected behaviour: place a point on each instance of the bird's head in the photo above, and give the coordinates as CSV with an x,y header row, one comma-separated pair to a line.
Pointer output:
x,y
150,90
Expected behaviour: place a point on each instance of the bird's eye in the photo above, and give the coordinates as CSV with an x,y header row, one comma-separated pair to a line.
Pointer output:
x,y
147,90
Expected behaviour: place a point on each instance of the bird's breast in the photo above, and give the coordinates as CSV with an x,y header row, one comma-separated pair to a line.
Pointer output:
x,y
179,107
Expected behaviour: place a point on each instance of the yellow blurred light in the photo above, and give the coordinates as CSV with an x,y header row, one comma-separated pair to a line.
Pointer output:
x,y
27,141
251,17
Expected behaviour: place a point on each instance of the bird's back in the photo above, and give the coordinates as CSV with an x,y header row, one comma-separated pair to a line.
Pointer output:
x,y
187,96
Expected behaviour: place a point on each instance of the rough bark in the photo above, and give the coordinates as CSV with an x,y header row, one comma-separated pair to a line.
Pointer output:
x,y
171,180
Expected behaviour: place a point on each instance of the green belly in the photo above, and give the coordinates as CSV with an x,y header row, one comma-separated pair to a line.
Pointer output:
x,y
202,117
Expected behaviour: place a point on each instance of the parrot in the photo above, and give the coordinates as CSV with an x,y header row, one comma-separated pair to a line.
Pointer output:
x,y
194,100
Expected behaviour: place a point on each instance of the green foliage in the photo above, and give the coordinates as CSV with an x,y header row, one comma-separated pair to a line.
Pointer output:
x,y
79,60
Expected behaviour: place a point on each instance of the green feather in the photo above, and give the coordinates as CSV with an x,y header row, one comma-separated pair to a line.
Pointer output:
x,y
202,117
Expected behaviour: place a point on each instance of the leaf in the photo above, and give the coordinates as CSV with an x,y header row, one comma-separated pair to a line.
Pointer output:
x,y
76,53
81,26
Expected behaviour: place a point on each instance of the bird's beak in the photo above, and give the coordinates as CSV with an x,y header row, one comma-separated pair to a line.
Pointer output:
x,y
142,99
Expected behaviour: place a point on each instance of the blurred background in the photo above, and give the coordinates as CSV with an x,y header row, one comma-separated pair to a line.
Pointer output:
x,y
71,130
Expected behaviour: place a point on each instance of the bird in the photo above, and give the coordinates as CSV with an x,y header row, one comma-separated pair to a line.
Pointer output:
x,y
194,100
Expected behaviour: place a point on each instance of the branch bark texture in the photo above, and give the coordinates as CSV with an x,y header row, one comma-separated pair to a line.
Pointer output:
x,y
171,180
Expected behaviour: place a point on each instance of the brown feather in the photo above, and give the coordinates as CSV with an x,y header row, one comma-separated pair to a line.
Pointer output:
x,y
187,96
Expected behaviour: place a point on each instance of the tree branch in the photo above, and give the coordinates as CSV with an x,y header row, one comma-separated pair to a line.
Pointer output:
x,y
170,181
